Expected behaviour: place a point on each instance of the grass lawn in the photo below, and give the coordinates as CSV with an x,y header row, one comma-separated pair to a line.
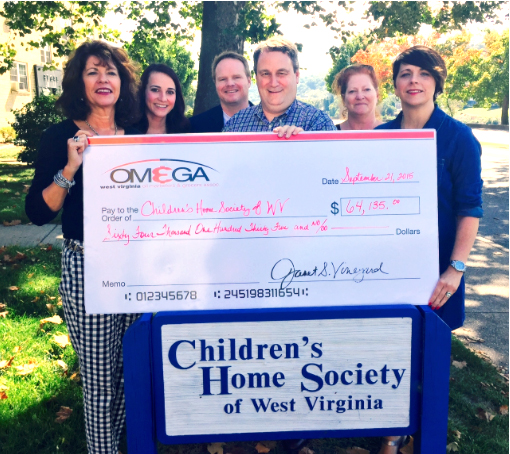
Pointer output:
x,y
15,178
39,378
479,115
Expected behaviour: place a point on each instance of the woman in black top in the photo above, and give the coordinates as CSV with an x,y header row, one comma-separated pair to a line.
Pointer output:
x,y
99,98
161,102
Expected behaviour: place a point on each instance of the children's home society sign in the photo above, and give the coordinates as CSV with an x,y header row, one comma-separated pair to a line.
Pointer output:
x,y
288,371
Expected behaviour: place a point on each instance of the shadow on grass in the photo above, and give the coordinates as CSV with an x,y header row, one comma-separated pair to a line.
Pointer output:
x,y
14,180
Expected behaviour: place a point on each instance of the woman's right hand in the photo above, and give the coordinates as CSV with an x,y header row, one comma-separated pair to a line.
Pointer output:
x,y
75,151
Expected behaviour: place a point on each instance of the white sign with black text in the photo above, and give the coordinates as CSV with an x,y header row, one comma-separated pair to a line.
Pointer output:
x,y
292,375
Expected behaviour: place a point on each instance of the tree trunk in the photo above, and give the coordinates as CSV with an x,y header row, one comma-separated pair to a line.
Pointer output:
x,y
504,110
220,32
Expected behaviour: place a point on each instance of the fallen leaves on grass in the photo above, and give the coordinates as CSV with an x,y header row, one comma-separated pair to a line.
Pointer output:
x,y
61,340
31,275
452,447
6,363
35,299
215,448
26,369
16,349
62,365
63,414
10,224
261,449
484,415
75,377
2,306
51,308
13,288
265,446
3,395
3,386
4,314
503,410
56,319
306,450
459,364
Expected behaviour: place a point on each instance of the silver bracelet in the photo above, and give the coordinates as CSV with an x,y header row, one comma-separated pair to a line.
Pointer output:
x,y
62,181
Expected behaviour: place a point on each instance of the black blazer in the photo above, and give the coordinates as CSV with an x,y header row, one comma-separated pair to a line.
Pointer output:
x,y
209,121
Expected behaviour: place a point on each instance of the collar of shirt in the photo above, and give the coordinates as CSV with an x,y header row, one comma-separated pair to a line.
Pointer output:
x,y
259,113
434,122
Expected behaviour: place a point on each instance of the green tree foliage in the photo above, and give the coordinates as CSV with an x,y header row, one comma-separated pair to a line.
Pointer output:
x,y
153,21
341,56
406,17
171,53
491,84
29,123
81,19
477,73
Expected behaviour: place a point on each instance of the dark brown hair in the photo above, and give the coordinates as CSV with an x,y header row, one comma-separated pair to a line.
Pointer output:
x,y
427,59
73,99
176,121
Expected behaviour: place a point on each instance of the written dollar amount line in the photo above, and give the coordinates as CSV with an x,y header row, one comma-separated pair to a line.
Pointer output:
x,y
376,206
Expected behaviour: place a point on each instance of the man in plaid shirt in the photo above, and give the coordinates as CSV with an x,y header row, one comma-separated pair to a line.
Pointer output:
x,y
277,73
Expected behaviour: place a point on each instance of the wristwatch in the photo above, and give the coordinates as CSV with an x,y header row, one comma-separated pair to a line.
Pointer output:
x,y
458,265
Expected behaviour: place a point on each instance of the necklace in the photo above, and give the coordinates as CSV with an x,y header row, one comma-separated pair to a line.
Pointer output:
x,y
95,132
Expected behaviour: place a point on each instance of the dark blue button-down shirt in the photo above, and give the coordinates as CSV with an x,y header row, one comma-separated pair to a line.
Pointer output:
x,y
459,192
252,119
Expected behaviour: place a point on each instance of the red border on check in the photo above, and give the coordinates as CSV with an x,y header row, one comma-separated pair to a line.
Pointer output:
x,y
421,134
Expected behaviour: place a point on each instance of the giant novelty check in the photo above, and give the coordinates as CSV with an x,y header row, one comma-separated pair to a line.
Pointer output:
x,y
232,221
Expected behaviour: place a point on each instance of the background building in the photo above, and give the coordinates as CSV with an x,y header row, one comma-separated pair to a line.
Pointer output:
x,y
27,77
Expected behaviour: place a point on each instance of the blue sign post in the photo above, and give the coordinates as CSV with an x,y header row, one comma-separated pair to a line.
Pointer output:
x,y
254,374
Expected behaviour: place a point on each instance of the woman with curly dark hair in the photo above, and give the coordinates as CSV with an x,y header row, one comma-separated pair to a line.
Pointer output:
x,y
99,98
161,102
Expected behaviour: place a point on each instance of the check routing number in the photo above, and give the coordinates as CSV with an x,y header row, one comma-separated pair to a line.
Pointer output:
x,y
219,221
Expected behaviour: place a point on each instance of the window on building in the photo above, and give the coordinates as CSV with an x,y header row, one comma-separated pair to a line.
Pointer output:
x,y
46,54
19,74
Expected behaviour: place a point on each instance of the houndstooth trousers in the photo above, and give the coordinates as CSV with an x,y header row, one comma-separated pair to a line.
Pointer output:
x,y
97,340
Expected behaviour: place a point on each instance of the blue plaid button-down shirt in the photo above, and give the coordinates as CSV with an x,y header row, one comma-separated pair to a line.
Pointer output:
x,y
252,119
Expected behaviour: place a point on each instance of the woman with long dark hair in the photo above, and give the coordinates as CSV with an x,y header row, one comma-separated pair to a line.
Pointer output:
x,y
161,102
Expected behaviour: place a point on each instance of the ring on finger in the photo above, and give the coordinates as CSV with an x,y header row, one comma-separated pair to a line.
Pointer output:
x,y
76,138
448,294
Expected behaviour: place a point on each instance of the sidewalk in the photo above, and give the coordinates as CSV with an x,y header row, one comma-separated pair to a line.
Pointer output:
x,y
487,292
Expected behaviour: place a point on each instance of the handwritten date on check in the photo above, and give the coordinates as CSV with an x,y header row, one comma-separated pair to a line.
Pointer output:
x,y
246,220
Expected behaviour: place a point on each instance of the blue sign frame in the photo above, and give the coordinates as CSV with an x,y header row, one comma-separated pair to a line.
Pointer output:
x,y
430,363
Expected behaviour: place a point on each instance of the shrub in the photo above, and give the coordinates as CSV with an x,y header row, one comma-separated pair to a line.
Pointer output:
x,y
7,134
30,122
